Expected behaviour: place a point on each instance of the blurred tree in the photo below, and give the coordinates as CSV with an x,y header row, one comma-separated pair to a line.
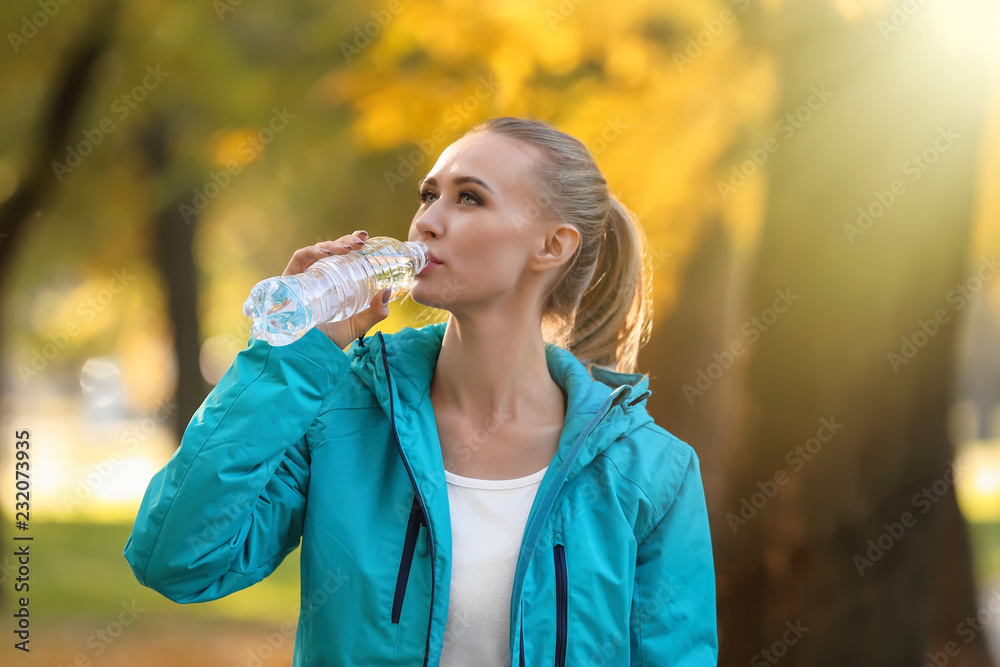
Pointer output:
x,y
69,91
841,514
173,234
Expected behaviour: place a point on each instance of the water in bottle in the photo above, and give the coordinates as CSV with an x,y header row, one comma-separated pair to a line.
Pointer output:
x,y
332,289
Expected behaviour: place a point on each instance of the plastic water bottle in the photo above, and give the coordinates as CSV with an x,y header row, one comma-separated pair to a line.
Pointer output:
x,y
332,289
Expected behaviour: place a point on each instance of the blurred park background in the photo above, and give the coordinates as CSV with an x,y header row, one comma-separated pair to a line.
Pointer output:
x,y
819,181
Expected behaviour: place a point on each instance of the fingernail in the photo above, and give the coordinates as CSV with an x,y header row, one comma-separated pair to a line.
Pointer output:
x,y
357,240
328,252
361,231
385,296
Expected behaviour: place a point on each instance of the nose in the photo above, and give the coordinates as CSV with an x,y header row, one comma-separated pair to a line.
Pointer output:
x,y
428,225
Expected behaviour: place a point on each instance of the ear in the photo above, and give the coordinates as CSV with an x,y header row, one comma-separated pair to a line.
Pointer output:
x,y
559,244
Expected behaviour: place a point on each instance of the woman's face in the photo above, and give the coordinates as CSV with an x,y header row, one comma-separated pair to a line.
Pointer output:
x,y
480,215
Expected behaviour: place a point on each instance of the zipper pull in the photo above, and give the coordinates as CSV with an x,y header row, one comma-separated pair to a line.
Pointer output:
x,y
422,543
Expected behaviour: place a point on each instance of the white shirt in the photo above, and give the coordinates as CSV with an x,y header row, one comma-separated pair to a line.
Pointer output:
x,y
487,521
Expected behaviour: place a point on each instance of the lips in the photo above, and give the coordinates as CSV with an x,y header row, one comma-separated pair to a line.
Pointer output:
x,y
432,259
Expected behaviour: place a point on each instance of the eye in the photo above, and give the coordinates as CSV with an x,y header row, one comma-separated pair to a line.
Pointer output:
x,y
427,197
465,196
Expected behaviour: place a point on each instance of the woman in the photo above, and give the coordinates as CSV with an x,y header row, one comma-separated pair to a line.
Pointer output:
x,y
483,491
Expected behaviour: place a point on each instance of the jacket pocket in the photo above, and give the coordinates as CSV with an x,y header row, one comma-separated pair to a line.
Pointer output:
x,y
559,554
409,543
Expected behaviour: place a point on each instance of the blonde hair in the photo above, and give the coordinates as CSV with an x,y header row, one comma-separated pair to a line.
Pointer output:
x,y
600,305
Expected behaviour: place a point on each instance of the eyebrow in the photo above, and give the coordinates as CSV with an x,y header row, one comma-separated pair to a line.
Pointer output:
x,y
459,180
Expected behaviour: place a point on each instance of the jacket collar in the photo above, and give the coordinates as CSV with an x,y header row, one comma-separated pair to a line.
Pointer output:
x,y
412,356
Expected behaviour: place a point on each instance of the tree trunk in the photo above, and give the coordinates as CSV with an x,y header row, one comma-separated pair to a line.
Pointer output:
x,y
843,542
173,254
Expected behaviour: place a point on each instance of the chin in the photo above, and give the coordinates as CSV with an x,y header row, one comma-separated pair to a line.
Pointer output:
x,y
425,297
434,298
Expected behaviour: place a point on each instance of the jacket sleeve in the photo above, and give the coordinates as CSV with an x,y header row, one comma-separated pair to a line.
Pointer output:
x,y
673,607
229,504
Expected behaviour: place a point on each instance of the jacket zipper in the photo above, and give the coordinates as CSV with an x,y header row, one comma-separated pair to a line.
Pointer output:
x,y
559,553
412,529
416,492
548,500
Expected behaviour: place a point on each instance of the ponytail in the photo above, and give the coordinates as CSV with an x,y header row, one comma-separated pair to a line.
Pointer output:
x,y
614,316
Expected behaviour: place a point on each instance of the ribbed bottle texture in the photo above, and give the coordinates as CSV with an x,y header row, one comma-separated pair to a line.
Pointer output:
x,y
332,289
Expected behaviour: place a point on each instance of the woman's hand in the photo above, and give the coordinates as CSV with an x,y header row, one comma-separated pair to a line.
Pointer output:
x,y
341,333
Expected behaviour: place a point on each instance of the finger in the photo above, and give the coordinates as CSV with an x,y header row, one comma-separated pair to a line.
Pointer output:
x,y
338,247
369,317
342,245
378,309
303,258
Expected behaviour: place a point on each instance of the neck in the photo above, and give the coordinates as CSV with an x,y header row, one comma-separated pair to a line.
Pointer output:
x,y
494,363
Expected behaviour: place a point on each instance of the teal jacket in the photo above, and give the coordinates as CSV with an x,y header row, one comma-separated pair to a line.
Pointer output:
x,y
338,448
